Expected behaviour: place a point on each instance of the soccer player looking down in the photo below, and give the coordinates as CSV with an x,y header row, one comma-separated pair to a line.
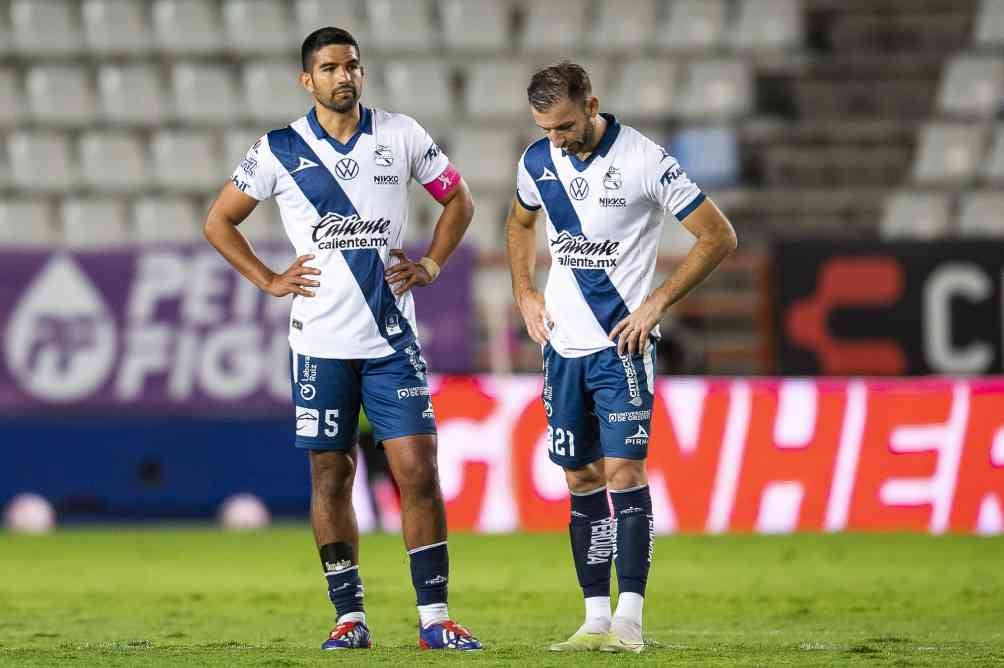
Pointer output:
x,y
340,176
604,189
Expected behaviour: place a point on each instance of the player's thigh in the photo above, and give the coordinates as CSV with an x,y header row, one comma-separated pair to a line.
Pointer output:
x,y
395,393
326,395
572,441
623,392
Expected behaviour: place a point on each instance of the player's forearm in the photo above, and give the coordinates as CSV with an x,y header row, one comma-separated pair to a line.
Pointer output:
x,y
522,257
451,226
706,254
236,249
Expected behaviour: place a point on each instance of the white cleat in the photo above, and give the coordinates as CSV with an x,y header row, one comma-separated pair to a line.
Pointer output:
x,y
624,636
583,640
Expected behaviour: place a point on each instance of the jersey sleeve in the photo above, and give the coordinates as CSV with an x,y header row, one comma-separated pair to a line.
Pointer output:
x,y
427,160
667,185
255,175
526,188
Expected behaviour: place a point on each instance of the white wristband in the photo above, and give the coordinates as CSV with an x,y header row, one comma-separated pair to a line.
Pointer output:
x,y
430,266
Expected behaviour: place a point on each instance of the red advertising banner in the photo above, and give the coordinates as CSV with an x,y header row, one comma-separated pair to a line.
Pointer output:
x,y
765,455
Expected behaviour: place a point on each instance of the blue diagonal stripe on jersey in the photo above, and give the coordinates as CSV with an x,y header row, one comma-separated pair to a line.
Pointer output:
x,y
600,292
322,190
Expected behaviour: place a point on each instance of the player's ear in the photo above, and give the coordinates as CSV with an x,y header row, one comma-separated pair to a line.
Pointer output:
x,y
307,81
592,106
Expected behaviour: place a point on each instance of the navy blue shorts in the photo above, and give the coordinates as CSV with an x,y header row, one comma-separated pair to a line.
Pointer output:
x,y
327,394
598,406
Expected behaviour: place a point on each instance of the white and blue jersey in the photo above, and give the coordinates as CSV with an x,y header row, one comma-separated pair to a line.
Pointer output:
x,y
347,204
604,221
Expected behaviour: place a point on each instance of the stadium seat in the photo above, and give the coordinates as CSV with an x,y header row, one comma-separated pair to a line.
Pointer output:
x,y
41,161
401,26
486,158
497,89
10,97
114,27
487,230
236,143
132,94
644,90
948,153
113,162
475,25
419,89
767,24
187,26
709,155
313,14
25,222
195,161
94,222
622,26
60,95
915,215
165,219
264,223
982,214
990,24
205,94
273,92
717,89
972,86
993,168
691,25
257,27
45,29
556,26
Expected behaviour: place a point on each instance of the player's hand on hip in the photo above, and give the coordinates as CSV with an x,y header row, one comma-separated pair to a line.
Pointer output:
x,y
535,315
406,274
294,280
631,333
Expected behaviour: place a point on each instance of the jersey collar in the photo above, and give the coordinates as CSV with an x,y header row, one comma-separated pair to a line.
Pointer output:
x,y
365,127
608,139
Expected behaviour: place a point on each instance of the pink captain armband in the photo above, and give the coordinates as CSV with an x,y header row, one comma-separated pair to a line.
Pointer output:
x,y
443,185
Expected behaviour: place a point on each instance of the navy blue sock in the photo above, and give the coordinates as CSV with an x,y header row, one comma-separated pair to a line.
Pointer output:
x,y
430,573
591,530
633,512
345,589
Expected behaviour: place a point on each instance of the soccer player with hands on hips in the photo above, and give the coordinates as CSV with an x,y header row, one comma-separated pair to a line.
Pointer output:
x,y
604,190
340,176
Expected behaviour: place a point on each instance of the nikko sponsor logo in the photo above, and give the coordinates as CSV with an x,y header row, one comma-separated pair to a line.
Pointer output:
x,y
412,392
337,232
389,180
639,438
602,541
613,202
631,376
629,416
578,252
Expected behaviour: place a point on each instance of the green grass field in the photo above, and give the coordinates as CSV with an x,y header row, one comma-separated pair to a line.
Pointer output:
x,y
153,597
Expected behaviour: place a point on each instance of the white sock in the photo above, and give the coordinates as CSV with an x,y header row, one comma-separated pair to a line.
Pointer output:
x,y
432,613
597,614
629,605
352,617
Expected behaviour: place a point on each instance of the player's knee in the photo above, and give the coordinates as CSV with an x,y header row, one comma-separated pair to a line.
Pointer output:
x,y
626,474
585,479
422,482
333,479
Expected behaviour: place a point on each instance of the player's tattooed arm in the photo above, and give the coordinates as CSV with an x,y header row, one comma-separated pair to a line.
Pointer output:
x,y
521,245
715,241
229,210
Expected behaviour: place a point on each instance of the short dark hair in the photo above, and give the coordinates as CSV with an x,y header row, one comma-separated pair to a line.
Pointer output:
x,y
323,37
566,79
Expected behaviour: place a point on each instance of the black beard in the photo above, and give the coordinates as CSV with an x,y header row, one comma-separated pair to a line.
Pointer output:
x,y
342,105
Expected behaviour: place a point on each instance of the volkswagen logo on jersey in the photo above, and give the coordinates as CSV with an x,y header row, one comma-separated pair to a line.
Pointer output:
x,y
612,180
382,156
346,169
579,188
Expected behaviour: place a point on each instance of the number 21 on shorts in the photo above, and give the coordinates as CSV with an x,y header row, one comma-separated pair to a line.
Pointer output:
x,y
561,441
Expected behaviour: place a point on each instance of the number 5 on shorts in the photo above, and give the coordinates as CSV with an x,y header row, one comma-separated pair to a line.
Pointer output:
x,y
331,422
